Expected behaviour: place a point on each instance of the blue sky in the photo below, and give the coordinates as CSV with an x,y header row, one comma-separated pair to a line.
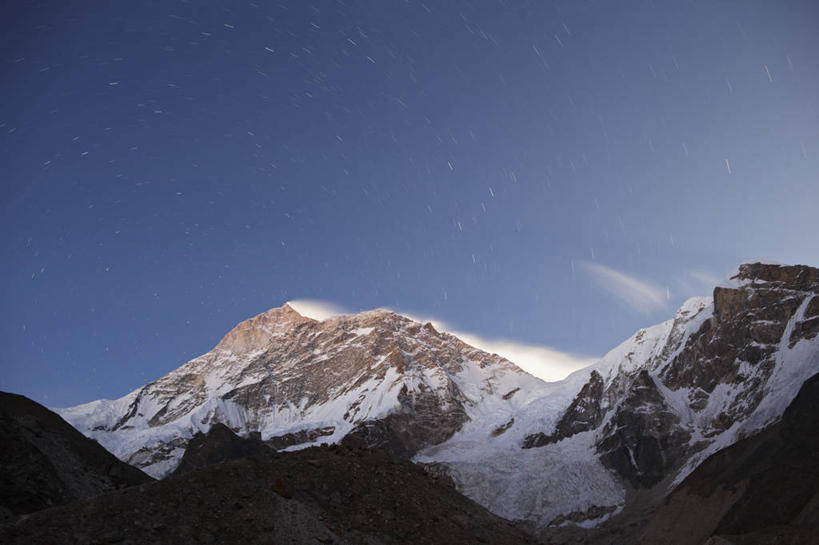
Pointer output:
x,y
555,174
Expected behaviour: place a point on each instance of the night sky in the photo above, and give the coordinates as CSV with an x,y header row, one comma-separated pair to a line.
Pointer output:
x,y
549,173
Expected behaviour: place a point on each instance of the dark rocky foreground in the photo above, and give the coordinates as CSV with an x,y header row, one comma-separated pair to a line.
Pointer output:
x,y
317,495
764,489
219,445
45,462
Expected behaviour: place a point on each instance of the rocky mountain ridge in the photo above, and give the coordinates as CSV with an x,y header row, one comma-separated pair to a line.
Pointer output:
x,y
577,452
374,379
624,431
46,462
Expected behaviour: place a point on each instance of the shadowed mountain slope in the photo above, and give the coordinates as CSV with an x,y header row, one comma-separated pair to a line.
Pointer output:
x,y
763,489
44,461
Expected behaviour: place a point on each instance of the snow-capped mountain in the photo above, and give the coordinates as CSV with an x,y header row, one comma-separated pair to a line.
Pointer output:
x,y
375,378
579,451
636,423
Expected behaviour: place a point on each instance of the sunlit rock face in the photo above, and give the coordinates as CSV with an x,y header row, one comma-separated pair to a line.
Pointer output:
x,y
764,312
577,451
377,378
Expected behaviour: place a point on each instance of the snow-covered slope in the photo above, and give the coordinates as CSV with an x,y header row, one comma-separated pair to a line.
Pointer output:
x,y
571,451
565,477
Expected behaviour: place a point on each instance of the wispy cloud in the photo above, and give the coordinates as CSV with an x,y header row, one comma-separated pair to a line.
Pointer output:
x,y
639,294
707,280
694,283
544,362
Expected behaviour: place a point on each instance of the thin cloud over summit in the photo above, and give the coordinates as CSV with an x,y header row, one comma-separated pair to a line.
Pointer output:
x,y
544,362
640,295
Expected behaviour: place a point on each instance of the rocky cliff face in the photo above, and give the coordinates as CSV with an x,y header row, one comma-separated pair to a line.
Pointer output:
x,y
624,431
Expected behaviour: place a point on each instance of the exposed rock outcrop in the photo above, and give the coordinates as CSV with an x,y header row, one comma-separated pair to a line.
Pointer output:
x,y
740,342
424,417
643,439
218,445
585,413
300,437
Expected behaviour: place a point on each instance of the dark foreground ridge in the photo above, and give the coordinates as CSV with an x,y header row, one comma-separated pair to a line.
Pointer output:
x,y
762,490
45,462
317,495
219,445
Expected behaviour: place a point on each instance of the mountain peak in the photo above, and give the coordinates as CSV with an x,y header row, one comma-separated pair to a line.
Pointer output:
x,y
255,333
795,277
286,308
295,379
